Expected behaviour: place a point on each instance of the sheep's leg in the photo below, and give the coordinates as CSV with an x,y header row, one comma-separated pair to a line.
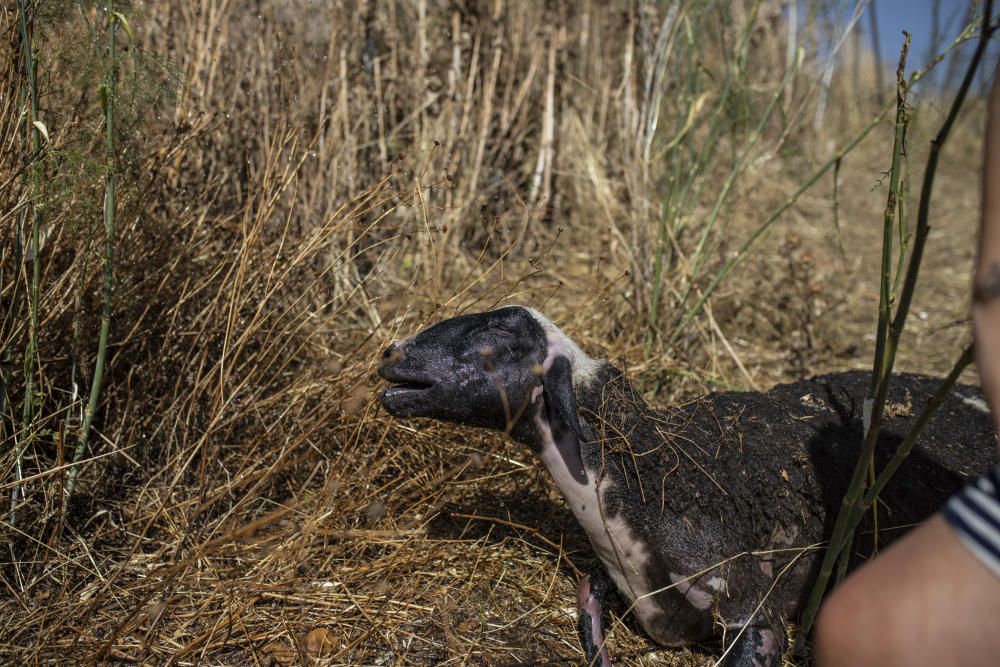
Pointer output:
x,y
760,644
590,600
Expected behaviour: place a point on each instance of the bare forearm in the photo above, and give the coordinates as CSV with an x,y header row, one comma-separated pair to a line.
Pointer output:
x,y
986,285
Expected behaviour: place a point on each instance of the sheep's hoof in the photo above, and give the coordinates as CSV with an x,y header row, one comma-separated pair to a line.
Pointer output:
x,y
590,600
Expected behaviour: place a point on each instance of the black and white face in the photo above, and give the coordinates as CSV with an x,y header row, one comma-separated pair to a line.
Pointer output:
x,y
479,369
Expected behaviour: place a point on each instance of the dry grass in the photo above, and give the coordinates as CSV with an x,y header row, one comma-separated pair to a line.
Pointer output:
x,y
328,178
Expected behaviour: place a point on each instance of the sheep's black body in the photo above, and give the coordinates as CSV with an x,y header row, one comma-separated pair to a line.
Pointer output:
x,y
737,472
708,517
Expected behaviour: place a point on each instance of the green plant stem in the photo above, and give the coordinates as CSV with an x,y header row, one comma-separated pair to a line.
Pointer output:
x,y
752,140
905,447
845,557
904,236
109,247
698,172
879,373
787,204
689,174
849,516
662,243
923,208
903,451
836,210
74,351
6,334
889,221
737,169
28,405
874,405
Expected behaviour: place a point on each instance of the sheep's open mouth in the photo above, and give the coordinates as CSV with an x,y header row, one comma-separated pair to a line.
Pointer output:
x,y
405,397
401,392
406,394
407,386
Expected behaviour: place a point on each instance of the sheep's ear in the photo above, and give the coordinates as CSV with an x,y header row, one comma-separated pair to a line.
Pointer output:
x,y
560,409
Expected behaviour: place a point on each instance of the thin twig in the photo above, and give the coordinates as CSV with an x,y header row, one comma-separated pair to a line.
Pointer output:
x,y
110,91
30,354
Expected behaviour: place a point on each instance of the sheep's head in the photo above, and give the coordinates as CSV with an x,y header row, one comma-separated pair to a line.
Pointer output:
x,y
490,370
475,369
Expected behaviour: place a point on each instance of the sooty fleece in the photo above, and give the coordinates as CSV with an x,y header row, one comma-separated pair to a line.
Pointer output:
x,y
740,472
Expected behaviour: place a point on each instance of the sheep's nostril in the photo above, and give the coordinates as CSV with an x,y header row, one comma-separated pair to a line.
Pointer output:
x,y
391,355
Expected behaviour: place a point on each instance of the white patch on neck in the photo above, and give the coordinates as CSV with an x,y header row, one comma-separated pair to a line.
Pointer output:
x,y
624,555
584,367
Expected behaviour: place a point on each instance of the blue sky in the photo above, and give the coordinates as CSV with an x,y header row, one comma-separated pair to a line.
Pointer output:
x,y
916,17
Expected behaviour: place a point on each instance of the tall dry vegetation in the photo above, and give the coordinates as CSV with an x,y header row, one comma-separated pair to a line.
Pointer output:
x,y
299,183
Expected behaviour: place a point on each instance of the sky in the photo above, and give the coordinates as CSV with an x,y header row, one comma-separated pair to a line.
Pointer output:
x,y
916,17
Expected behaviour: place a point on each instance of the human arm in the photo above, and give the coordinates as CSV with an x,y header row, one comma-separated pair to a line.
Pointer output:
x,y
986,280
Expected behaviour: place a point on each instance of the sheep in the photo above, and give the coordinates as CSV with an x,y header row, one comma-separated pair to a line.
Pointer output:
x,y
708,517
